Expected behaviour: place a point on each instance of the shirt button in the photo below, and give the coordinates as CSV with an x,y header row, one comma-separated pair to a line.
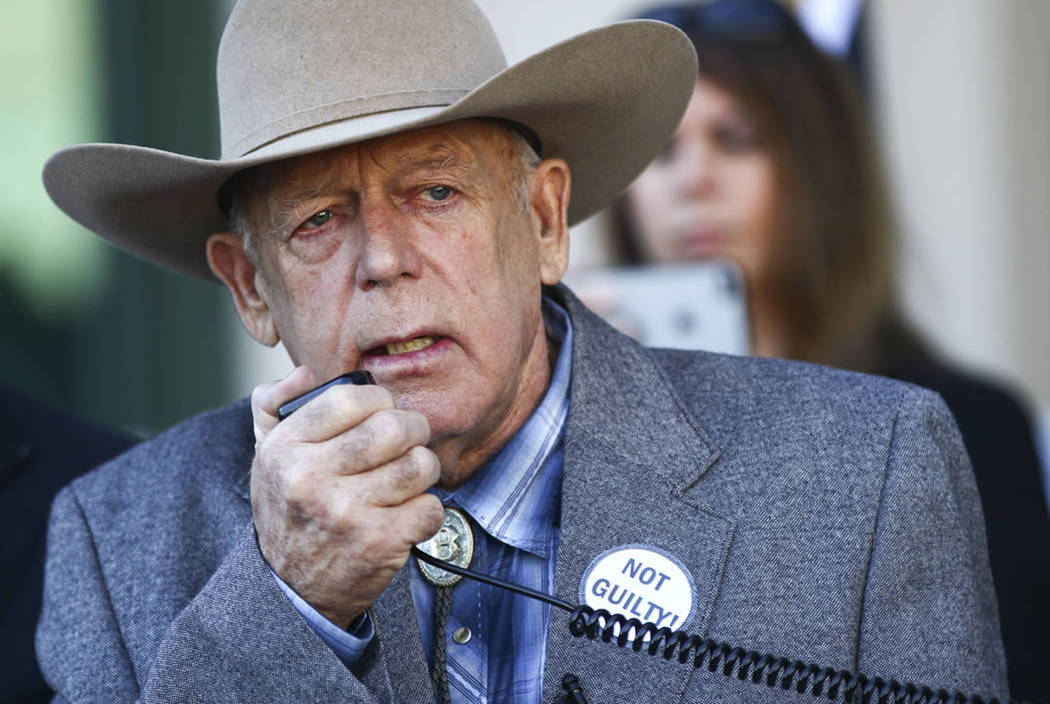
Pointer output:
x,y
461,635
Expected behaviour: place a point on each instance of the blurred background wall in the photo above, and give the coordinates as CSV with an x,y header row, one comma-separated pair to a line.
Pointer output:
x,y
963,97
961,90
84,325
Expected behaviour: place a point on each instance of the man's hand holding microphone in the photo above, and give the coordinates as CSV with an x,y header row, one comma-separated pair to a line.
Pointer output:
x,y
338,490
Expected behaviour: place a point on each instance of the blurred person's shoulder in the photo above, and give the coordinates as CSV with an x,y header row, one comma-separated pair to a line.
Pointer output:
x,y
42,448
31,425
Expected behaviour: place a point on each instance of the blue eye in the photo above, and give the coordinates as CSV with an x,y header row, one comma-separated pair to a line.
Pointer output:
x,y
318,219
439,193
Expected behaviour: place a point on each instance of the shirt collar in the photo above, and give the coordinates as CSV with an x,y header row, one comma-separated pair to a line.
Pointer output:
x,y
514,496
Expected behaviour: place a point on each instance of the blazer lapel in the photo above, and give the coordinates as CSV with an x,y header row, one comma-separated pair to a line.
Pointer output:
x,y
400,642
633,458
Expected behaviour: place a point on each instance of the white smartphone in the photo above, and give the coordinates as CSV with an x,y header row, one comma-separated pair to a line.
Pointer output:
x,y
697,306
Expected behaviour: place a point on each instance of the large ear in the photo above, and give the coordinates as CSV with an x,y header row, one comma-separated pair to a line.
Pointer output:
x,y
551,187
231,265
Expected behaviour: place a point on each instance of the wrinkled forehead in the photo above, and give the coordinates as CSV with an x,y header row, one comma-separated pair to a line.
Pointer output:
x,y
482,147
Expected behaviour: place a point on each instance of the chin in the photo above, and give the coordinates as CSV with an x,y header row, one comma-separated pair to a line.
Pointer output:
x,y
443,410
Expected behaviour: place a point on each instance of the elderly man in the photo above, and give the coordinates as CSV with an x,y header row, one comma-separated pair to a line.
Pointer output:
x,y
392,198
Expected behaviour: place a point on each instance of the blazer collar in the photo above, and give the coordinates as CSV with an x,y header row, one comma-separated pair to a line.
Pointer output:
x,y
621,399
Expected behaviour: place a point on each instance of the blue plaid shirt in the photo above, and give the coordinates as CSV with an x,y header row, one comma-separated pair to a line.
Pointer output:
x,y
513,503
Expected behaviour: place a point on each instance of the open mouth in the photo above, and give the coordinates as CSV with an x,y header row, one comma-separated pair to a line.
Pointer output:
x,y
413,345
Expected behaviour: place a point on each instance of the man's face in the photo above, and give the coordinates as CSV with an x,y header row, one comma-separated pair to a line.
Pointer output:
x,y
415,257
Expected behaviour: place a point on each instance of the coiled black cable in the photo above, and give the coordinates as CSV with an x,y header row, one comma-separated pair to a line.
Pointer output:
x,y
759,668
730,661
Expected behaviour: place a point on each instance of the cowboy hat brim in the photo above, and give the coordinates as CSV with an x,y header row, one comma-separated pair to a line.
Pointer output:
x,y
605,101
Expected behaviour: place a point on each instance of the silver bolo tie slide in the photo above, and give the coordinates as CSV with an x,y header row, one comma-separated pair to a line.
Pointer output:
x,y
453,543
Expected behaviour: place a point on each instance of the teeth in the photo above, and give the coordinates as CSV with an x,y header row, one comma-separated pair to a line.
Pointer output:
x,y
418,343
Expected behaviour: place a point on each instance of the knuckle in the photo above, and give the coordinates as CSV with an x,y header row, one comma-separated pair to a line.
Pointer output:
x,y
259,394
416,428
298,487
361,446
403,473
363,495
388,427
339,401
426,463
354,401
358,444
342,519
343,403
382,396
381,438
432,513
424,425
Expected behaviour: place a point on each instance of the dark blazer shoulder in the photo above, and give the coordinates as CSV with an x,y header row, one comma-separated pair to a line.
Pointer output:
x,y
33,432
42,448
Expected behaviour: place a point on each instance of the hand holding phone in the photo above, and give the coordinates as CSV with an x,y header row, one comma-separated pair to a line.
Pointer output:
x,y
338,490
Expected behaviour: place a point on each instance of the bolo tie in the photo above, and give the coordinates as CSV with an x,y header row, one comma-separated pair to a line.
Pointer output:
x,y
454,543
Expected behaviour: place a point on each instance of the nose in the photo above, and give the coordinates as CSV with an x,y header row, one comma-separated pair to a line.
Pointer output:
x,y
695,169
388,252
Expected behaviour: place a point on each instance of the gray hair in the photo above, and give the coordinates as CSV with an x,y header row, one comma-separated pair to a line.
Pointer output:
x,y
528,160
237,212
239,219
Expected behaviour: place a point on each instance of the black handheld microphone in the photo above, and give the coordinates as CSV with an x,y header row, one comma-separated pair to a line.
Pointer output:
x,y
358,378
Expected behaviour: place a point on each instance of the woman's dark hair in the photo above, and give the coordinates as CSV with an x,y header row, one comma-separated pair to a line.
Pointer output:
x,y
832,266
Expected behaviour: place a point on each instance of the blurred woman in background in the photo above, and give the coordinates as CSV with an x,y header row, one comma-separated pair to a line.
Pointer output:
x,y
774,168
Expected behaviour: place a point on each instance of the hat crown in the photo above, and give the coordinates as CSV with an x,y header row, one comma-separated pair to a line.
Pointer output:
x,y
284,67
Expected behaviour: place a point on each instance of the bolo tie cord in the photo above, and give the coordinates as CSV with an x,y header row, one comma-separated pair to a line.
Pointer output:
x,y
443,604
439,669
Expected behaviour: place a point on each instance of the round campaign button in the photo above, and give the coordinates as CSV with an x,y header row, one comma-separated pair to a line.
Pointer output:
x,y
642,582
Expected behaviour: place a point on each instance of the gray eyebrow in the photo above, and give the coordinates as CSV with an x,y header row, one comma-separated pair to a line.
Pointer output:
x,y
282,211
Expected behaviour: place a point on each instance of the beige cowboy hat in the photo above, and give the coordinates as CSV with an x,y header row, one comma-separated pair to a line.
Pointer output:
x,y
302,76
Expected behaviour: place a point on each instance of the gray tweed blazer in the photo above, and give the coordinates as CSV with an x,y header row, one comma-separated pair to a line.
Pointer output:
x,y
823,515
